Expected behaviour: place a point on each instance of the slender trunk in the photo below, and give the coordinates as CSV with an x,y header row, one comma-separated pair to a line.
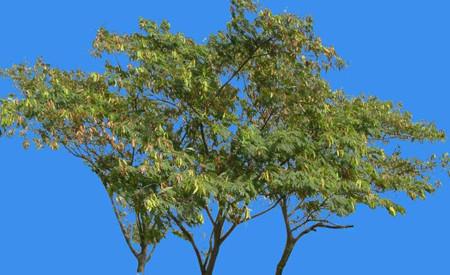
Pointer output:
x,y
290,244
290,239
142,261
141,266
212,261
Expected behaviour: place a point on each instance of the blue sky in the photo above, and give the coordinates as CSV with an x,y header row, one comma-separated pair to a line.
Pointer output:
x,y
56,217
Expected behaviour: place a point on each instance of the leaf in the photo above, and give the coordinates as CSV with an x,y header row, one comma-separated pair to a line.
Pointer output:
x,y
392,211
26,144
95,77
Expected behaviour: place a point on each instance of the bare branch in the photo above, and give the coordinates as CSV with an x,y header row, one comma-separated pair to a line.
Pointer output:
x,y
299,205
308,217
265,211
150,255
210,248
323,225
189,237
122,228
208,212
230,230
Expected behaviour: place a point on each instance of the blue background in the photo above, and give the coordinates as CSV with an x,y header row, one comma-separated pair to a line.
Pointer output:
x,y
55,215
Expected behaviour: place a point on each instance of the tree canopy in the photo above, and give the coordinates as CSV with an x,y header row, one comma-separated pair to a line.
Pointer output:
x,y
187,133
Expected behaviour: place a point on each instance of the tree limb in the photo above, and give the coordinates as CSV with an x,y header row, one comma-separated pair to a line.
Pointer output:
x,y
151,253
238,70
204,139
208,212
265,211
122,228
230,230
323,225
190,239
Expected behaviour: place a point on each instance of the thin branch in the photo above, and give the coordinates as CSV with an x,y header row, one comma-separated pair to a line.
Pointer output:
x,y
204,139
190,239
323,225
219,219
133,153
122,228
265,211
217,227
164,101
307,218
268,118
230,230
208,212
295,228
208,254
151,253
299,205
139,225
183,137
336,226
239,69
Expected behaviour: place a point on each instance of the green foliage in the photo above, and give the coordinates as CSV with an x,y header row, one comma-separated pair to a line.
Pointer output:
x,y
243,117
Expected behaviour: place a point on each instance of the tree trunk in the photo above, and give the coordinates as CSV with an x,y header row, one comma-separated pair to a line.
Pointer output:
x,y
141,265
142,260
290,244
212,261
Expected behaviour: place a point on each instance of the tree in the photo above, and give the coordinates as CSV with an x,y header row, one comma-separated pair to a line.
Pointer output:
x,y
345,165
190,132
119,136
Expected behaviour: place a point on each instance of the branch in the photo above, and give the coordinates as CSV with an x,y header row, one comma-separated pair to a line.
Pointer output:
x,y
133,153
208,212
204,139
265,211
190,239
230,230
217,227
299,205
238,70
140,226
151,253
165,101
285,216
295,228
208,255
267,120
310,214
183,137
323,225
122,228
